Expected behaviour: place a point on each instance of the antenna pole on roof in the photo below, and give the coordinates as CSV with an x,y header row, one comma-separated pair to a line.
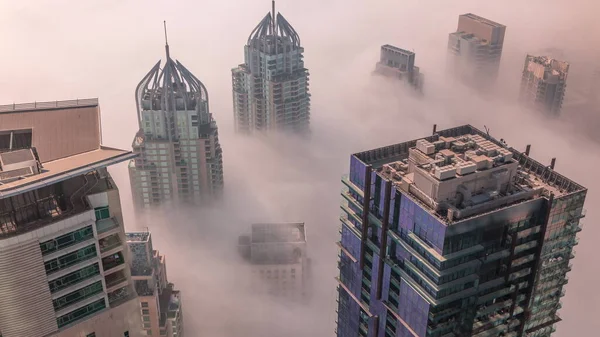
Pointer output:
x,y
273,17
487,131
166,40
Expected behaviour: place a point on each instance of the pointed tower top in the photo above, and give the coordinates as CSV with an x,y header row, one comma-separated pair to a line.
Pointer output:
x,y
166,40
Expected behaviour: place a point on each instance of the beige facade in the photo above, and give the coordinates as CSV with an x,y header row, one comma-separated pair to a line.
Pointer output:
x,y
63,259
160,303
51,135
475,50
543,84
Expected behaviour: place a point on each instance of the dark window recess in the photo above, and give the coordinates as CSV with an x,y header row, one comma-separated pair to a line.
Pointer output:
x,y
102,213
67,240
21,139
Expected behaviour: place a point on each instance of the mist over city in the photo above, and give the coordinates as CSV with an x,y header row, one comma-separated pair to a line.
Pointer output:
x,y
60,50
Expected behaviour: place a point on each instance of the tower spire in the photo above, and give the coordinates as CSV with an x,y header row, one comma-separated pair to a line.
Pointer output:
x,y
273,18
166,40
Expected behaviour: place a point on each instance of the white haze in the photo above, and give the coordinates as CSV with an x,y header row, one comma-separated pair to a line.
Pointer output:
x,y
76,49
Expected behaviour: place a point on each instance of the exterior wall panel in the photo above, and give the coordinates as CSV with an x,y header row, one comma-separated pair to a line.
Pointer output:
x,y
51,136
25,301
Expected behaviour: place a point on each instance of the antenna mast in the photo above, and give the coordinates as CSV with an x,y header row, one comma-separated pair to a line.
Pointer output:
x,y
273,18
166,40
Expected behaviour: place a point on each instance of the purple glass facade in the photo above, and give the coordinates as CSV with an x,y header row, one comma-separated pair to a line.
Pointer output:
x,y
417,273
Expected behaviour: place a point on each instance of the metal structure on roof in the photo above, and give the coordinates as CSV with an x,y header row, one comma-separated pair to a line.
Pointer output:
x,y
170,88
274,25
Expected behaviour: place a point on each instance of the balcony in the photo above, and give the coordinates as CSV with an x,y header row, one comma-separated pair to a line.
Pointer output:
x,y
120,296
115,279
110,243
106,225
112,261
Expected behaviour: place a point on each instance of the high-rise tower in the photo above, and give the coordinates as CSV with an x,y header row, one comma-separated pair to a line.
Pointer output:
x,y
162,312
270,90
400,63
63,258
475,50
455,234
543,83
180,157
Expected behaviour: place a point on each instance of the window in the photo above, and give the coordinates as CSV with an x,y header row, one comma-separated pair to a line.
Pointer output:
x,y
67,240
81,312
144,304
126,334
78,295
74,277
70,259
93,334
102,213
145,312
146,318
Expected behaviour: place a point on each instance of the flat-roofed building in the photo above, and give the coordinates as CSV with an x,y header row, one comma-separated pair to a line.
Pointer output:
x,y
400,63
475,50
544,83
63,258
276,253
454,234
161,304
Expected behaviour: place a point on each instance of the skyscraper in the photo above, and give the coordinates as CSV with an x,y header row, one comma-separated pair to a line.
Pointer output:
x,y
475,50
276,253
270,89
180,157
543,83
399,63
455,234
162,313
63,258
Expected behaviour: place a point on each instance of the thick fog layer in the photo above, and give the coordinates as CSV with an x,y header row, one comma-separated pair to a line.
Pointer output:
x,y
77,49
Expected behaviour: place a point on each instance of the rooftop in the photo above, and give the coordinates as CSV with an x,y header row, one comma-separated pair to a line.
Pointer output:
x,y
62,169
278,232
463,172
482,20
544,66
137,236
396,49
53,105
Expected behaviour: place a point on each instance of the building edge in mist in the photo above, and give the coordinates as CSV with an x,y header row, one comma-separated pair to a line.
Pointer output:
x,y
271,87
161,305
475,51
63,258
399,63
276,254
179,155
454,234
543,84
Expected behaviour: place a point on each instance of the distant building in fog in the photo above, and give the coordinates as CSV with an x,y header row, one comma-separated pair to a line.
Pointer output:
x,y
399,63
270,89
162,313
180,157
543,83
277,256
475,50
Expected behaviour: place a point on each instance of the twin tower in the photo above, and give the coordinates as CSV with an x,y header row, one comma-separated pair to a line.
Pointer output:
x,y
179,155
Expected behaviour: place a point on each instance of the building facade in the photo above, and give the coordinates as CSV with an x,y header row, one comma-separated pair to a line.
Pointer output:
x,y
179,155
455,234
160,303
475,50
544,83
270,89
276,255
400,63
63,258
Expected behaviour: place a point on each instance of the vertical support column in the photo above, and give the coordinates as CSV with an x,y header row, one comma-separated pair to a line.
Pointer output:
x,y
552,163
365,214
10,145
527,149
434,129
537,263
375,326
384,235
